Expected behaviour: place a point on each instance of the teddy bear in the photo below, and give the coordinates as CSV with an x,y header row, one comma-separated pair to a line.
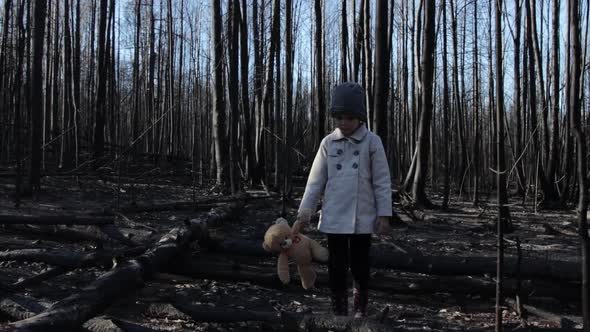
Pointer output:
x,y
279,238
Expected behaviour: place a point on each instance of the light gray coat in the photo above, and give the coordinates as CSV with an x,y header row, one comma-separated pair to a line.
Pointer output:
x,y
353,174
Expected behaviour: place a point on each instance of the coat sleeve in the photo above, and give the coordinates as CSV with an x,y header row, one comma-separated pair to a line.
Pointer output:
x,y
380,178
316,182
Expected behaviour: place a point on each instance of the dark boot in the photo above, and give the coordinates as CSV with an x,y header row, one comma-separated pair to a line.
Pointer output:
x,y
340,303
361,299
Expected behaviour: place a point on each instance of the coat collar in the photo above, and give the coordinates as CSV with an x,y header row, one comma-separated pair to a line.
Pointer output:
x,y
357,136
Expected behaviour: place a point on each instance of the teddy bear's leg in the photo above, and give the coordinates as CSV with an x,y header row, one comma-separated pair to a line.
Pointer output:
x,y
318,252
307,275
283,268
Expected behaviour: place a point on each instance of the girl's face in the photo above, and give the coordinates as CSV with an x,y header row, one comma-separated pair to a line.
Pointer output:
x,y
347,123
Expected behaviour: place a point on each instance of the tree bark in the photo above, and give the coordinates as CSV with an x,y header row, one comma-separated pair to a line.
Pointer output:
x,y
427,74
367,60
344,43
288,131
446,133
503,213
244,80
574,74
233,90
36,94
531,268
219,118
101,90
320,103
521,180
19,219
381,89
71,312
554,154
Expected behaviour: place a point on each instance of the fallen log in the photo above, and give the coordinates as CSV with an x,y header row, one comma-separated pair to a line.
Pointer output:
x,y
198,205
101,324
112,324
157,207
7,219
38,278
215,269
66,258
288,320
20,307
71,312
531,268
559,320
342,323
102,234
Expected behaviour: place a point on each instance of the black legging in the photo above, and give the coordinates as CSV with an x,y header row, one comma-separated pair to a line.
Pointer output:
x,y
349,250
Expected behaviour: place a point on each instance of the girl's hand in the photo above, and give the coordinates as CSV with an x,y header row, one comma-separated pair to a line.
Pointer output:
x,y
303,219
299,226
383,226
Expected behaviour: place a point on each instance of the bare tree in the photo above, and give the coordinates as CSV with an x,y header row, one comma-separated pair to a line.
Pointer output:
x,y
233,90
219,119
288,101
554,149
367,60
344,44
136,84
101,92
36,93
517,97
445,106
574,74
426,81
15,102
246,110
503,212
320,103
358,26
381,72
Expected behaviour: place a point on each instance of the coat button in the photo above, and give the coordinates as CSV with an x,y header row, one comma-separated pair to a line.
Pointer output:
x,y
338,166
355,165
339,151
356,153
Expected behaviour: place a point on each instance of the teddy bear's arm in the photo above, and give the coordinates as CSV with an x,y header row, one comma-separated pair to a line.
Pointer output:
x,y
283,268
318,252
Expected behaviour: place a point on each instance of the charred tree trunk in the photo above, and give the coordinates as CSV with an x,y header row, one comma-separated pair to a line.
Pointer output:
x,y
368,57
289,102
574,74
233,90
136,85
521,181
358,41
36,94
320,103
381,73
503,213
554,149
101,91
476,147
344,44
445,106
219,119
427,75
246,111
258,173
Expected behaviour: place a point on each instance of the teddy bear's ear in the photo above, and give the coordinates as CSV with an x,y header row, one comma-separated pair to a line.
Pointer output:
x,y
281,221
265,246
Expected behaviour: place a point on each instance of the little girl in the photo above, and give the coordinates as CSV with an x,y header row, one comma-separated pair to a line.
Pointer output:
x,y
351,170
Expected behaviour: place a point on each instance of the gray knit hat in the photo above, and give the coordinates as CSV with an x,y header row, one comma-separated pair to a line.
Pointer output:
x,y
349,98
